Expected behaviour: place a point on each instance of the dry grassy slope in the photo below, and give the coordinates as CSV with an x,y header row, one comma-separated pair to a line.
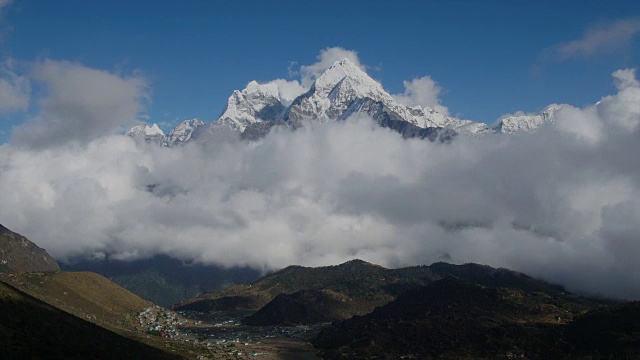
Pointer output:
x,y
30,328
96,299
18,254
86,295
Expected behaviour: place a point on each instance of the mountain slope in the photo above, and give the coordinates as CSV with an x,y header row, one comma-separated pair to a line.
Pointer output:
x,y
18,254
30,328
86,295
453,319
182,133
365,284
342,291
149,134
255,103
520,123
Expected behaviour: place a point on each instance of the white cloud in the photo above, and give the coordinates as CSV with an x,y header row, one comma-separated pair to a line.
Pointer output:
x,y
584,124
289,90
560,203
15,89
623,108
422,91
82,103
625,78
601,39
326,58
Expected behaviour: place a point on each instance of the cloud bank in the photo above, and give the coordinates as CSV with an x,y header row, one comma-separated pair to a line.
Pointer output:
x,y
81,104
561,202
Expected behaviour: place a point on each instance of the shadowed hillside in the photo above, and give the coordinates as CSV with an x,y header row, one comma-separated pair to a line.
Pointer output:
x,y
367,284
30,328
87,295
359,286
456,319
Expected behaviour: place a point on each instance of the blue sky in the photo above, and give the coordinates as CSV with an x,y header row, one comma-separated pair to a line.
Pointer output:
x,y
489,57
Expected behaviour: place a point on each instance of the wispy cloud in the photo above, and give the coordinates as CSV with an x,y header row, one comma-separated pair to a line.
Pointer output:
x,y
601,39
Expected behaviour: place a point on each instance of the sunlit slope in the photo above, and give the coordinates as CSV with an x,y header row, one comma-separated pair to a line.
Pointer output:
x,y
84,294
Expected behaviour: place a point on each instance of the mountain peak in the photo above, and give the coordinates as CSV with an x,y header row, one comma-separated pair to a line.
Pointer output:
x,y
338,72
146,133
145,130
254,103
184,131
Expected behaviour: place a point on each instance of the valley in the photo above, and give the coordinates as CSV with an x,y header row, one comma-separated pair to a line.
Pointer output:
x,y
355,310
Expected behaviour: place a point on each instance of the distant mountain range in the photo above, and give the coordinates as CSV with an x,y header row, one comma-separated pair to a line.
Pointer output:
x,y
342,91
302,295
441,311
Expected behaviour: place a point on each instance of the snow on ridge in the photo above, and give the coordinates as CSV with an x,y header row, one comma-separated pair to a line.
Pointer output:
x,y
334,95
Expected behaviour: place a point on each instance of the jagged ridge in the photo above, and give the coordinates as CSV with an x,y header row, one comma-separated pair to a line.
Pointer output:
x,y
340,92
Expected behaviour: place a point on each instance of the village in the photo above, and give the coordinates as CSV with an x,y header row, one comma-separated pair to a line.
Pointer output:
x,y
224,332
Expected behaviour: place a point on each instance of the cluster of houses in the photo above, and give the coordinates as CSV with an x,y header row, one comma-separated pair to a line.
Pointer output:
x,y
220,331
162,322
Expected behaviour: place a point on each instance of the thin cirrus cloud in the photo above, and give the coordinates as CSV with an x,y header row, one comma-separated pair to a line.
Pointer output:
x,y
601,39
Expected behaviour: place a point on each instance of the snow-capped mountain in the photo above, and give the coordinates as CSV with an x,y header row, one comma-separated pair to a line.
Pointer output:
x,y
150,134
179,135
519,123
340,92
253,104
184,132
